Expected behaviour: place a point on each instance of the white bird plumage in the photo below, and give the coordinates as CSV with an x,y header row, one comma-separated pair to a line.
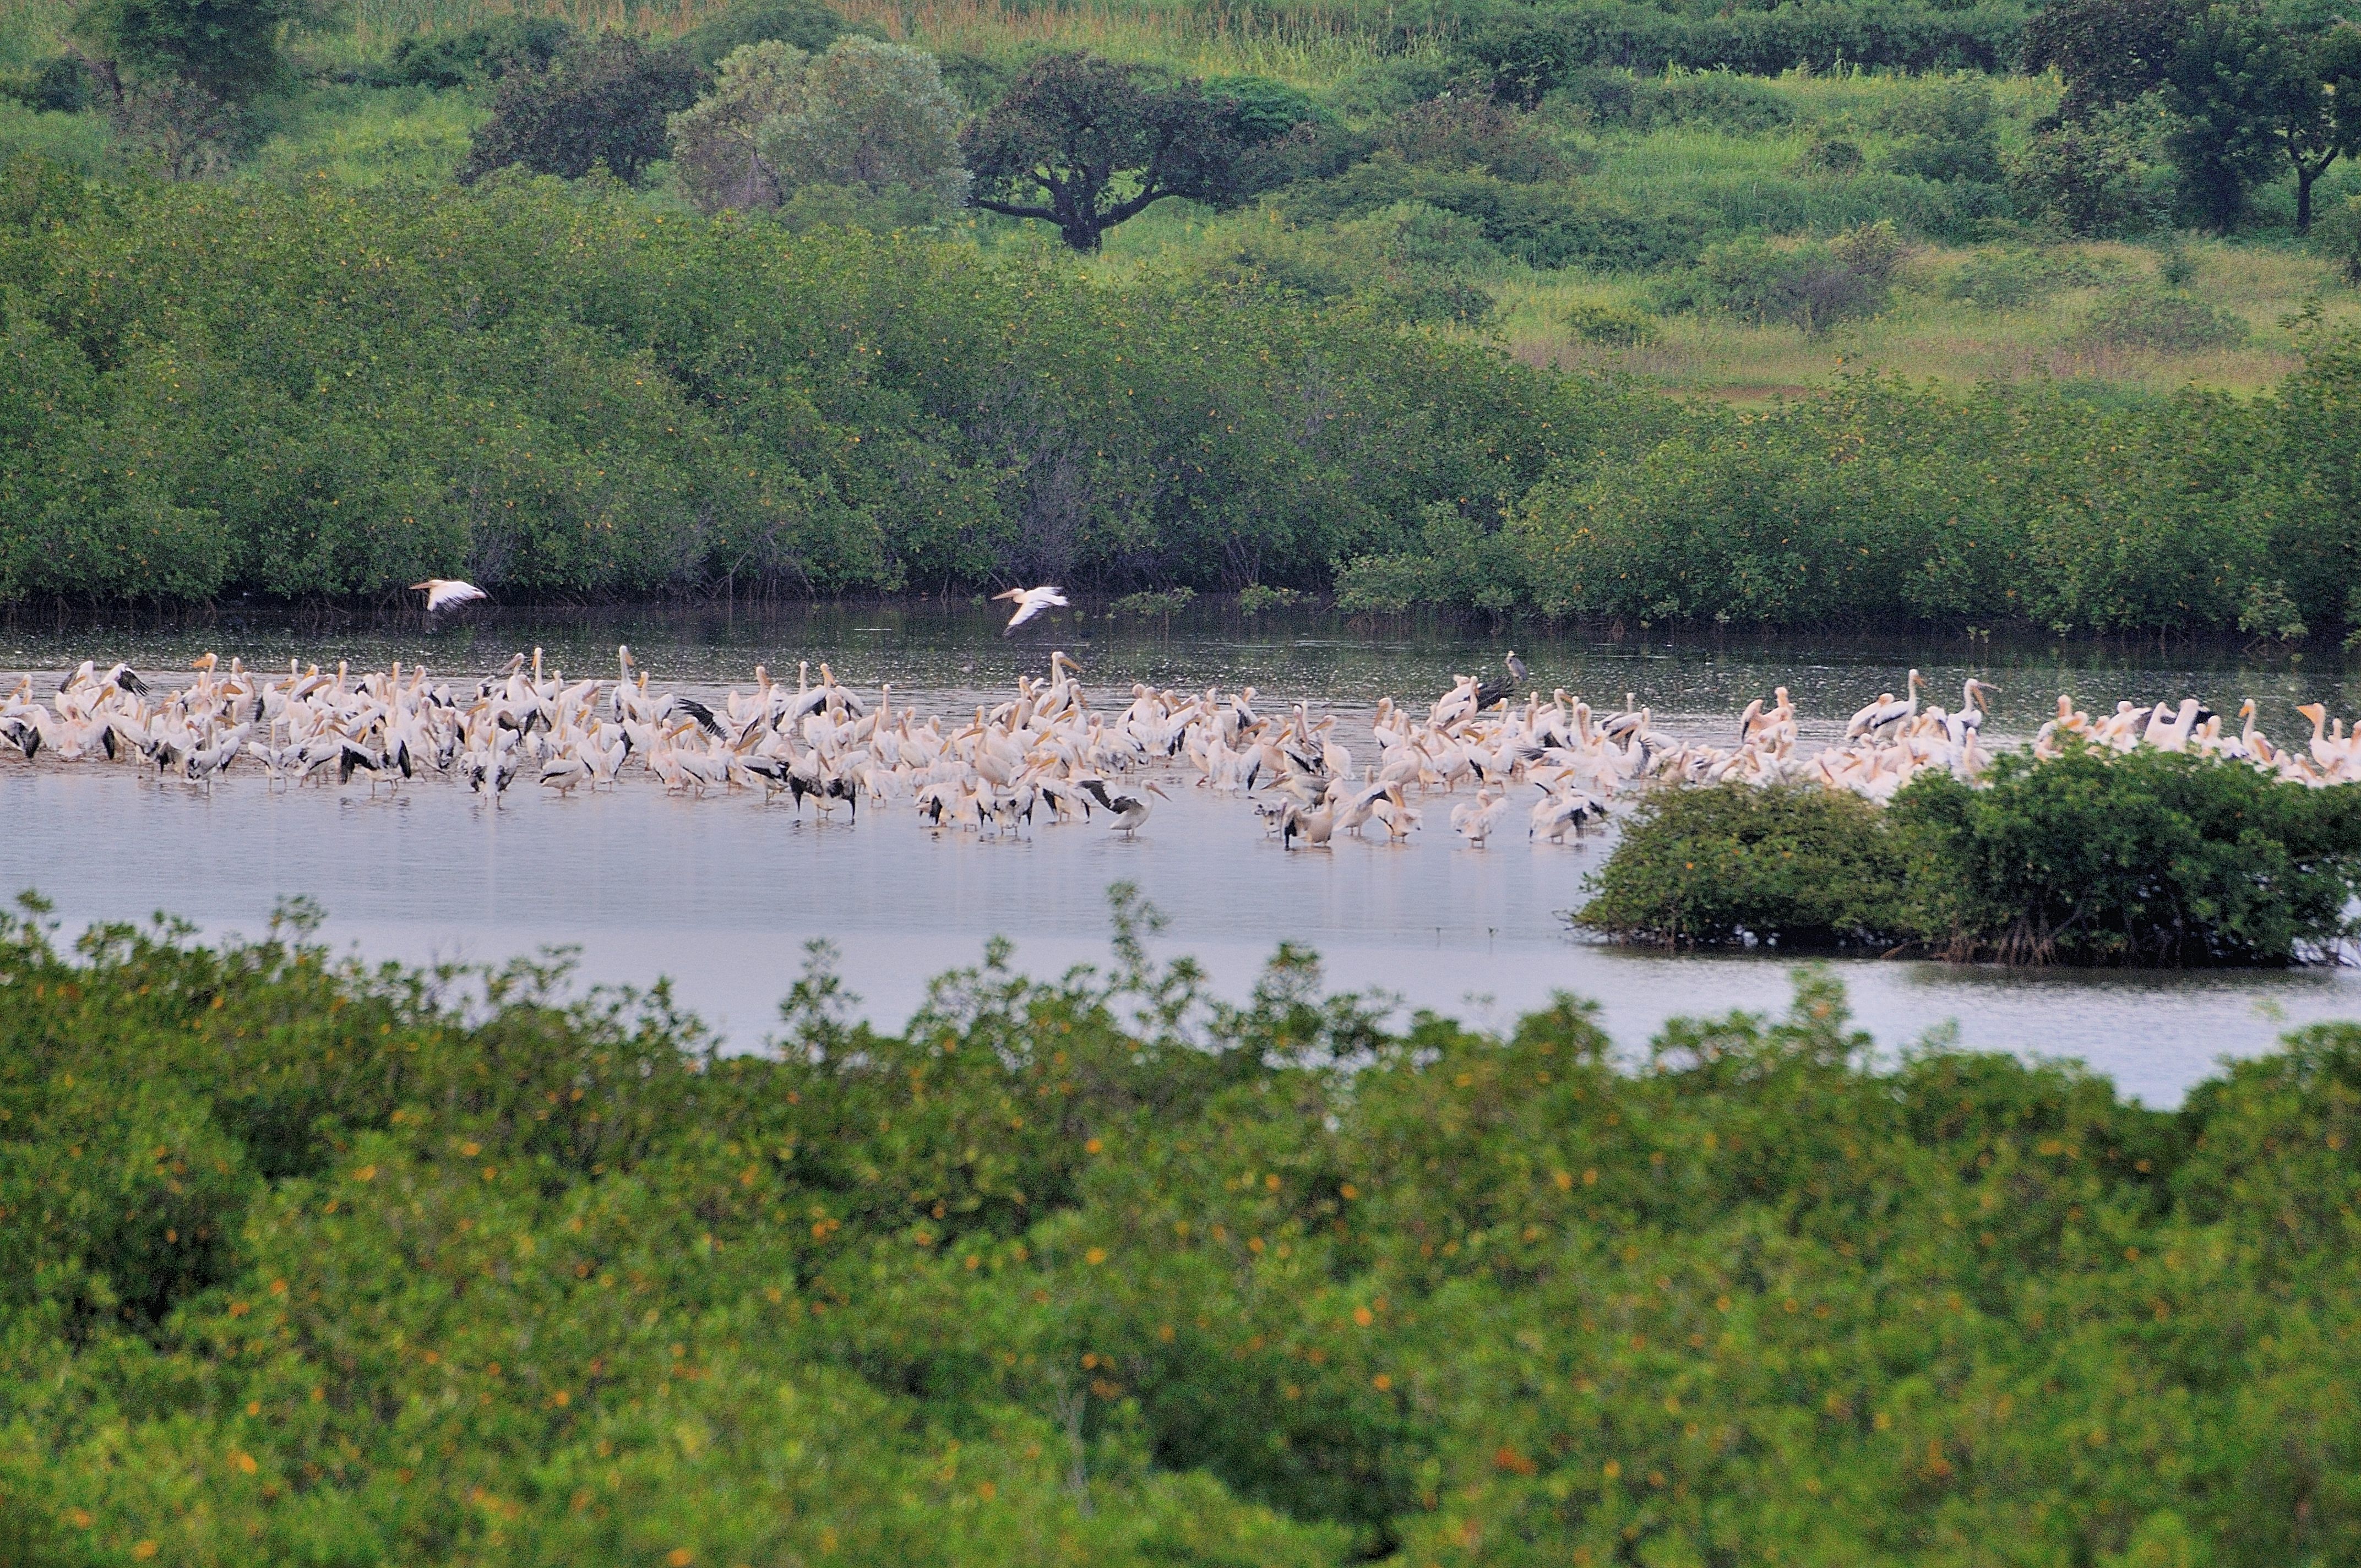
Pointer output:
x,y
446,593
1030,602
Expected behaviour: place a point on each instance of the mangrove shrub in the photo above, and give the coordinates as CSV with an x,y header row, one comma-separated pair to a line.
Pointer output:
x,y
307,1264
2089,858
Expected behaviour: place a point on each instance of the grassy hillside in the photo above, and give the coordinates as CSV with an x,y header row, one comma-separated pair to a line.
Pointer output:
x,y
1701,159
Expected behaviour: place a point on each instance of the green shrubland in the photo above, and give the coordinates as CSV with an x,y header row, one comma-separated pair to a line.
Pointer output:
x,y
2089,858
332,391
1501,235
316,1263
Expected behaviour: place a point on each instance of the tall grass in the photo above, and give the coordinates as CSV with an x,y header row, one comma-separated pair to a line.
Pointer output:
x,y
1924,335
1307,44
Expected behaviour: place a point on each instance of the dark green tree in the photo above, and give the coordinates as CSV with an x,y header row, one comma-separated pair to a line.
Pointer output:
x,y
2250,94
2108,51
2223,85
807,23
505,46
605,100
2321,111
230,49
1086,143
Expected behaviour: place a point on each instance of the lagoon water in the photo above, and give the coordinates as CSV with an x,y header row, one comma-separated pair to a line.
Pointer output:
x,y
722,894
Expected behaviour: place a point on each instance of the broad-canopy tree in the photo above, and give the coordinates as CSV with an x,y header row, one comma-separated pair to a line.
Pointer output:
x,y
872,118
1084,143
2251,93
2108,52
2250,89
716,156
873,115
604,100
229,49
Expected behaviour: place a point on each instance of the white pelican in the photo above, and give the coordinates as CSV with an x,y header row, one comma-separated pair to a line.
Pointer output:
x,y
1887,711
1129,811
1030,602
445,593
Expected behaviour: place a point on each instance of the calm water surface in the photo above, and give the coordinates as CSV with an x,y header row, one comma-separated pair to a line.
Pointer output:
x,y
720,894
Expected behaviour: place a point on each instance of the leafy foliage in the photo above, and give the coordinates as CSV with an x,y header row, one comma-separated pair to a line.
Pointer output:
x,y
866,117
716,143
1086,143
807,24
871,117
230,49
335,392
1791,866
603,101
505,46
1093,1271
2153,858
2148,857
1810,285
2145,318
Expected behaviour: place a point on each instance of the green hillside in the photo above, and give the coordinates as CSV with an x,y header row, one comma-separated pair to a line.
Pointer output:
x,y
1833,215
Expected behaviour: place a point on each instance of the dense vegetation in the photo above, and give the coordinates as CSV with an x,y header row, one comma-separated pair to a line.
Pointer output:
x,y
287,317
334,392
312,1265
2146,858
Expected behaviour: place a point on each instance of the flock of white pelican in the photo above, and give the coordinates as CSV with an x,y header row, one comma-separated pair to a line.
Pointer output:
x,y
1045,751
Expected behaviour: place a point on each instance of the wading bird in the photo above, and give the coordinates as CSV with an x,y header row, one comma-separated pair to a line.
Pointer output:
x,y
1129,810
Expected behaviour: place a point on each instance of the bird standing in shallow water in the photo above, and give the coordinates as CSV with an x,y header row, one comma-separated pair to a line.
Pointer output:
x,y
1129,810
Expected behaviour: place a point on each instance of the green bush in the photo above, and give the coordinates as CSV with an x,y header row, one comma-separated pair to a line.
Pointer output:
x,y
1099,1271
2151,858
1795,866
507,46
2003,279
2166,323
322,391
1811,285
1615,326
2091,858
60,86
2337,235
808,25
1946,131
2103,176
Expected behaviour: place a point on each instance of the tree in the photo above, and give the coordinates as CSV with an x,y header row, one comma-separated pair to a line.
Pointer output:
x,y
2321,111
230,49
605,100
2109,52
807,24
505,46
1085,144
715,152
2248,94
873,115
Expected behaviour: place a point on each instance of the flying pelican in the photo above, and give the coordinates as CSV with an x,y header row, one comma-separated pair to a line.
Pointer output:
x,y
1129,811
1029,602
445,593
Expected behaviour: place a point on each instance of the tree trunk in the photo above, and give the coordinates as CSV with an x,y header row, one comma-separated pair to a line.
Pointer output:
x,y
2304,175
